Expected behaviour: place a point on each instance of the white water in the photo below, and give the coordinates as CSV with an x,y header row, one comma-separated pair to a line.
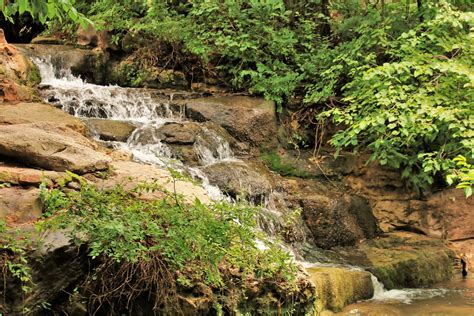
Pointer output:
x,y
140,106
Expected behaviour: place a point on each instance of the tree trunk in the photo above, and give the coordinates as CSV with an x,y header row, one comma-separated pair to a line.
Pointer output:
x,y
420,10
325,27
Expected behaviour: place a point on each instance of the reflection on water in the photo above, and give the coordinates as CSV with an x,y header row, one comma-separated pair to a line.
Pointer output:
x,y
452,298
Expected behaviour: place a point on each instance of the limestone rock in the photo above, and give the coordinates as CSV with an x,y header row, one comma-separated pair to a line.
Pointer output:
x,y
51,148
129,174
22,113
110,130
247,119
338,287
238,179
20,205
404,260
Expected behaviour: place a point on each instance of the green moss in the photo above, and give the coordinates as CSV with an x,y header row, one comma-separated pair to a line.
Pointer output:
x,y
400,261
285,168
339,287
34,77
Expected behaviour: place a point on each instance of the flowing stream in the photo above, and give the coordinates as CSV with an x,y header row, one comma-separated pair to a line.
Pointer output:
x,y
150,109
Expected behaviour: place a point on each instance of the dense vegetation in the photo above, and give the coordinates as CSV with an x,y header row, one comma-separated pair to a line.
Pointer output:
x,y
169,245
395,75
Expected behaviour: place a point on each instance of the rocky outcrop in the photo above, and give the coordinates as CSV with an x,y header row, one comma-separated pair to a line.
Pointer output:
x,y
250,120
88,64
17,175
22,113
239,179
333,217
45,146
18,75
338,287
110,130
442,214
404,260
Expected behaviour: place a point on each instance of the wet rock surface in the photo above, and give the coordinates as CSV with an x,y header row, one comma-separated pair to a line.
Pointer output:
x,y
404,260
338,287
238,179
247,119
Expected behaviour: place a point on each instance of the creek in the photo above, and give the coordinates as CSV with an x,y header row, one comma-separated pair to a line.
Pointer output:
x,y
150,110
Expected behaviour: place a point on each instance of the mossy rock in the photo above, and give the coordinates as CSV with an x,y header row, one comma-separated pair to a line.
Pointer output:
x,y
408,260
339,287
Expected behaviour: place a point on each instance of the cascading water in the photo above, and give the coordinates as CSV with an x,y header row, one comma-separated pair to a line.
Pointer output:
x,y
145,108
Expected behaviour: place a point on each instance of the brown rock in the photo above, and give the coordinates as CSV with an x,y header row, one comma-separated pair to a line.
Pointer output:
x,y
17,74
20,205
25,176
47,40
22,113
3,40
337,219
110,130
238,179
129,174
52,148
247,119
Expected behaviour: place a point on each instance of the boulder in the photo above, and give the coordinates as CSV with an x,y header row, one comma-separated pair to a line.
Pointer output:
x,y
19,205
338,287
237,178
251,120
22,113
93,38
52,148
111,130
55,270
404,260
129,174
334,218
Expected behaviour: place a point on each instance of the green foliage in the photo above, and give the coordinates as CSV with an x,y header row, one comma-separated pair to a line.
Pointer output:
x,y
396,76
194,238
463,175
415,112
13,255
273,160
43,10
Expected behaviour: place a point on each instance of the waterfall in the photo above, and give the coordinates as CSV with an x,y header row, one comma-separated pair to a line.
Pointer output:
x,y
147,109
